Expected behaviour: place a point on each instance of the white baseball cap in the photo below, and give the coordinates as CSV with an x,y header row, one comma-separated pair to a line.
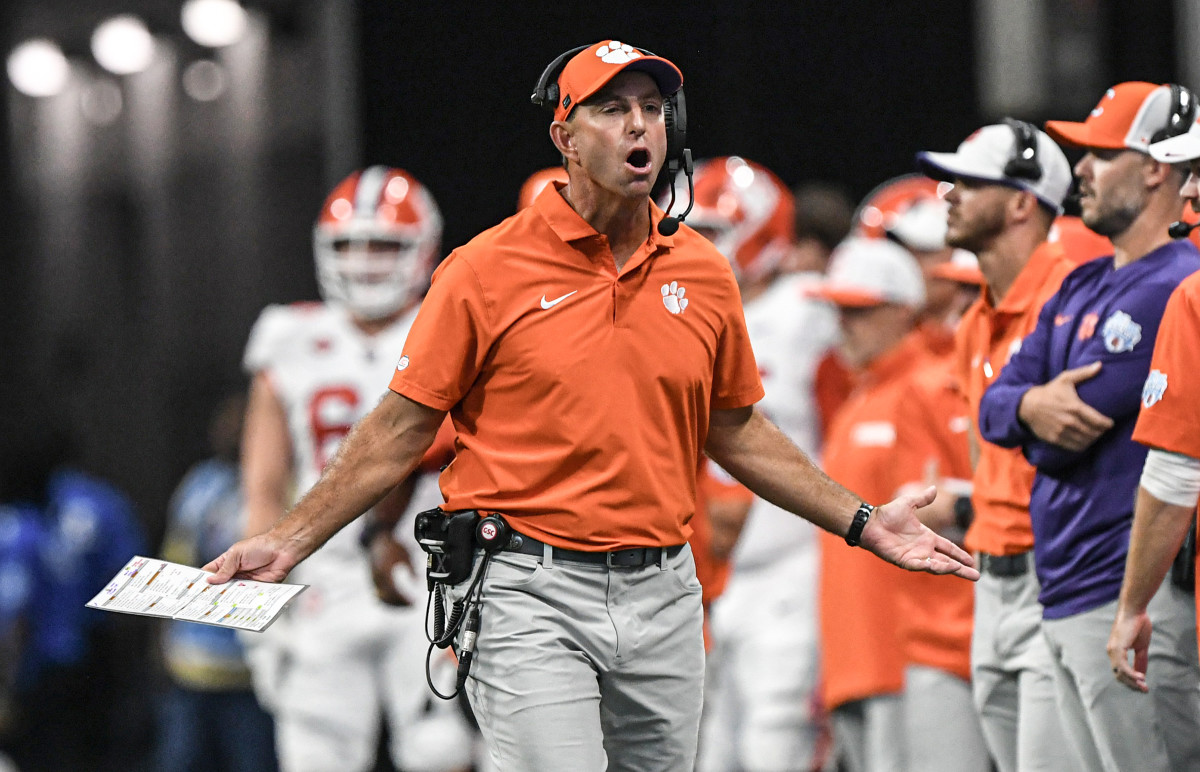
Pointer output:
x,y
922,226
985,156
870,272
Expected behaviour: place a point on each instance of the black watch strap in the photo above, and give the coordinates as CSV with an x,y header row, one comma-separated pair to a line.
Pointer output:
x,y
854,535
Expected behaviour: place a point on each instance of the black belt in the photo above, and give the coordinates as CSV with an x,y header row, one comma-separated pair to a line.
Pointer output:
x,y
1004,565
635,557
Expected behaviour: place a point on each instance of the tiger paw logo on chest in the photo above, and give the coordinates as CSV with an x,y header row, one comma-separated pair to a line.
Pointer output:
x,y
1121,333
673,297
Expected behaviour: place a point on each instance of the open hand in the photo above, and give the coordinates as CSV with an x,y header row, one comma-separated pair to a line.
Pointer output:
x,y
896,534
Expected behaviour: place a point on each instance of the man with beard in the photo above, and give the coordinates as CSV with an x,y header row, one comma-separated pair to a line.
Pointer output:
x,y
1069,398
1004,216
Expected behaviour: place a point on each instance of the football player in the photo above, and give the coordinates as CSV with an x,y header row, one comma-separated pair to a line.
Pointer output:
x,y
341,658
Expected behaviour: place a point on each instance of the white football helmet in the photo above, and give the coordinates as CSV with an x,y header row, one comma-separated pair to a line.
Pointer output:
x,y
376,241
745,210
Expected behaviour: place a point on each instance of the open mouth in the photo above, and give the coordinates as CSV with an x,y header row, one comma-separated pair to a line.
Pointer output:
x,y
639,160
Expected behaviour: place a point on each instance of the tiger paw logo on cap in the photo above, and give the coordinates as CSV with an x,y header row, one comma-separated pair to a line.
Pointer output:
x,y
1098,110
616,52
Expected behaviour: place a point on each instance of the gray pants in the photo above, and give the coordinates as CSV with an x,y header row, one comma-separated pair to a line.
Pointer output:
x,y
1012,677
940,723
1174,675
1114,727
587,668
868,734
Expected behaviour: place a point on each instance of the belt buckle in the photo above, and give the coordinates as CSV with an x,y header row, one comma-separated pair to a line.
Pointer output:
x,y
634,557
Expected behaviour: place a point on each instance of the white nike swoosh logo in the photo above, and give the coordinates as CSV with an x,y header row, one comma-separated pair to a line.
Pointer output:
x,y
556,301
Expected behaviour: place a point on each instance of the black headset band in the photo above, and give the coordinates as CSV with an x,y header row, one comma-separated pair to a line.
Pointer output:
x,y
545,93
1183,112
1023,164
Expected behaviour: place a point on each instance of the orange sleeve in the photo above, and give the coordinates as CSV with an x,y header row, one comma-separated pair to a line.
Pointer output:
x,y
735,373
1170,413
449,339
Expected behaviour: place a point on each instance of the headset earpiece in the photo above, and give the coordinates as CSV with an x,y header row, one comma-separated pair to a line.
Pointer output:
x,y
545,93
1023,164
1183,112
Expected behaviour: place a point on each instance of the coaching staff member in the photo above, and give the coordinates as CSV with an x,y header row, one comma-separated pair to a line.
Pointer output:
x,y
587,360
1070,399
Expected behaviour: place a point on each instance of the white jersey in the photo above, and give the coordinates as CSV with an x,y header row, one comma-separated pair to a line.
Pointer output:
x,y
790,331
328,374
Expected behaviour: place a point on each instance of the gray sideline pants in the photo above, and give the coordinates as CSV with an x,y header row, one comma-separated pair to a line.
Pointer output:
x,y
1174,674
586,668
940,723
868,734
1114,727
1012,677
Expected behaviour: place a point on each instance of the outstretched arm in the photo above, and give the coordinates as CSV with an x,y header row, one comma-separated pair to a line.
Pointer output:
x,y
381,450
266,457
758,454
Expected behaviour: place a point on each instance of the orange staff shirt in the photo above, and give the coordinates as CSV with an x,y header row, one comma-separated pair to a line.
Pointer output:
x,y
987,336
580,395
862,653
936,612
1170,414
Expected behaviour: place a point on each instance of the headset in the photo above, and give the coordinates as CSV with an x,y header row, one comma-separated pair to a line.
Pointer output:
x,y
1183,112
1024,164
679,156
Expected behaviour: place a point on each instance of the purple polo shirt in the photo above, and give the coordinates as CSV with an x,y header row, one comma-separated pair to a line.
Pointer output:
x,y
1082,503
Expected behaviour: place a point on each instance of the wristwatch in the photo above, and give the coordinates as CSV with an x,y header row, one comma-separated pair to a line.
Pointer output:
x,y
854,535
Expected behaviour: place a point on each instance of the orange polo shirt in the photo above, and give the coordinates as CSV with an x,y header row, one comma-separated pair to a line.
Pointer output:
x,y
862,653
936,612
1170,414
987,336
580,395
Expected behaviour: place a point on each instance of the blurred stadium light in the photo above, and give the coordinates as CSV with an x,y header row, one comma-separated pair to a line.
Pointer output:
x,y
123,45
38,68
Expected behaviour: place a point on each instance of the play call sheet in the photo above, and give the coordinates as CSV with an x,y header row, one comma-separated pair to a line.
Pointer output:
x,y
162,589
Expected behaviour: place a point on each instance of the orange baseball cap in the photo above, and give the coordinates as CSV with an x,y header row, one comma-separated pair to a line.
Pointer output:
x,y
1127,116
589,70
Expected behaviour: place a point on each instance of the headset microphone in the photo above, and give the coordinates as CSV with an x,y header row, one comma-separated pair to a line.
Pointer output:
x,y
1181,229
667,226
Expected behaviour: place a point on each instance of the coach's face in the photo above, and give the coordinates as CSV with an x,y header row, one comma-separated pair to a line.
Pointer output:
x,y
977,214
1112,189
618,136
1190,191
